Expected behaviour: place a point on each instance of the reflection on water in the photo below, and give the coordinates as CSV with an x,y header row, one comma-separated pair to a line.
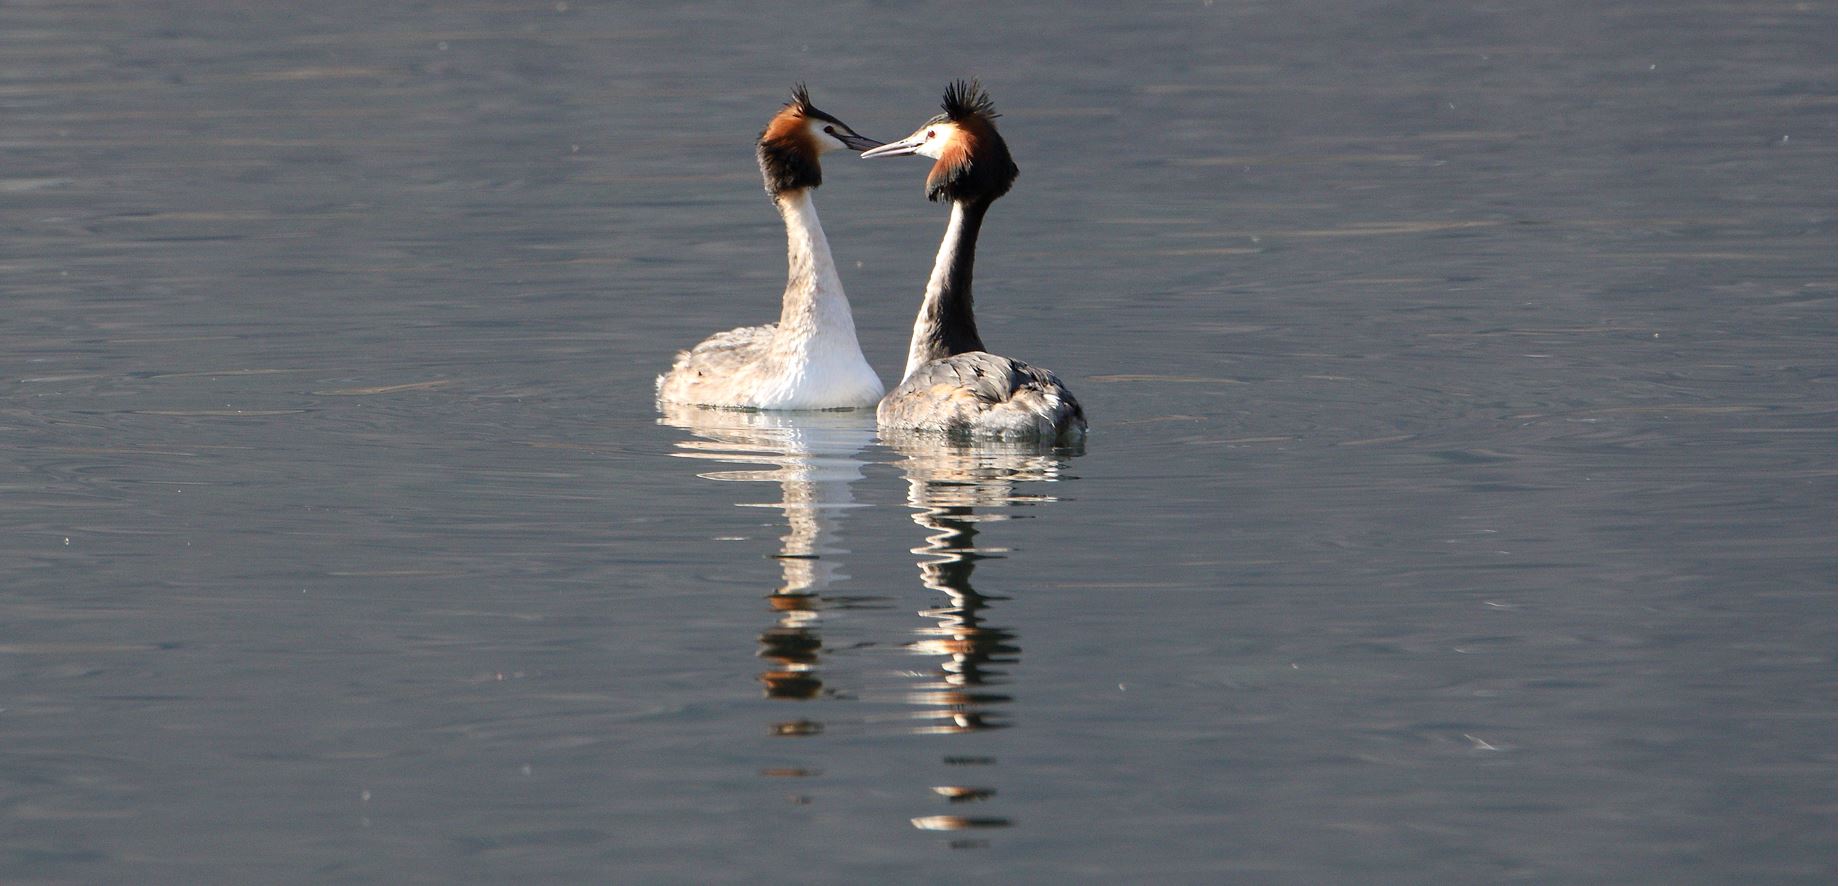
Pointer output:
x,y
813,458
1464,495
953,488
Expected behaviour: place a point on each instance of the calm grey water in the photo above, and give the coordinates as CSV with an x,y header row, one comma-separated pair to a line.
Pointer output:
x,y
1459,506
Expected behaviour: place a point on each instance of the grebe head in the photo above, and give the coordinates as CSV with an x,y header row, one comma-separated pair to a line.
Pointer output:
x,y
789,147
971,160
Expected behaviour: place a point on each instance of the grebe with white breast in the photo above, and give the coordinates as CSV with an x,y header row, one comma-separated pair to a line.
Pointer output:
x,y
951,384
810,358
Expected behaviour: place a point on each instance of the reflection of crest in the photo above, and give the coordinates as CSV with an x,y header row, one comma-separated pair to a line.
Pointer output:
x,y
813,459
955,488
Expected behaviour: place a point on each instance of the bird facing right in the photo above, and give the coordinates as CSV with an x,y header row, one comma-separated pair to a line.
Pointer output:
x,y
951,384
810,358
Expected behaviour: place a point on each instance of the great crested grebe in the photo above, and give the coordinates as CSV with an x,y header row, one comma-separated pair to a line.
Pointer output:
x,y
810,358
951,384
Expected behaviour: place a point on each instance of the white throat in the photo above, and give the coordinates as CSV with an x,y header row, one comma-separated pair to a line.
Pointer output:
x,y
814,305
817,361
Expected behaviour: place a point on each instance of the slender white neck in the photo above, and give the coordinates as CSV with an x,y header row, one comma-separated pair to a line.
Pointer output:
x,y
814,302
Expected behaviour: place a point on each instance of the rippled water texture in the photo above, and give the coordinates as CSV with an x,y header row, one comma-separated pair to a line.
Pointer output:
x,y
1459,505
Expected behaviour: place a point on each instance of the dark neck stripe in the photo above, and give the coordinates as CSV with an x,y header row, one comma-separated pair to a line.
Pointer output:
x,y
950,326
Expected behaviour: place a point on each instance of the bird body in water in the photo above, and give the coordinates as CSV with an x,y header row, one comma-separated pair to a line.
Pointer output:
x,y
810,359
952,385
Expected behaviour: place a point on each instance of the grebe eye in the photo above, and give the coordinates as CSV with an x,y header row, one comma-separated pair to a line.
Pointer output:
x,y
930,133
830,129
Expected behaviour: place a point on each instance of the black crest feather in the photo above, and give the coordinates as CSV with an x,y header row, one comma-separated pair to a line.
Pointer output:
x,y
801,99
787,163
982,172
966,99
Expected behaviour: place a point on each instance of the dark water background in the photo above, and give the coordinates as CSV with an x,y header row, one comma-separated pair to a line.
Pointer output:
x,y
1460,504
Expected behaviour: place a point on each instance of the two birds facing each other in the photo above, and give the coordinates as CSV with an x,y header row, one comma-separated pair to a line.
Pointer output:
x,y
810,359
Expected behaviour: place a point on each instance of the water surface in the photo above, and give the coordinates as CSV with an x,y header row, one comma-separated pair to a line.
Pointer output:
x,y
1459,506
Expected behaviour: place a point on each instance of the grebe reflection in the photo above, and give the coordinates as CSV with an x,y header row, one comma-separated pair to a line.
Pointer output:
x,y
813,458
954,490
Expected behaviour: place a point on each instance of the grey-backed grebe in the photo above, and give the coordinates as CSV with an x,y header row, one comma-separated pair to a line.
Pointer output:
x,y
951,384
810,358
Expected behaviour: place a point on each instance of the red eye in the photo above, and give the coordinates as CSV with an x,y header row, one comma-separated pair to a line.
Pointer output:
x,y
930,133
830,129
